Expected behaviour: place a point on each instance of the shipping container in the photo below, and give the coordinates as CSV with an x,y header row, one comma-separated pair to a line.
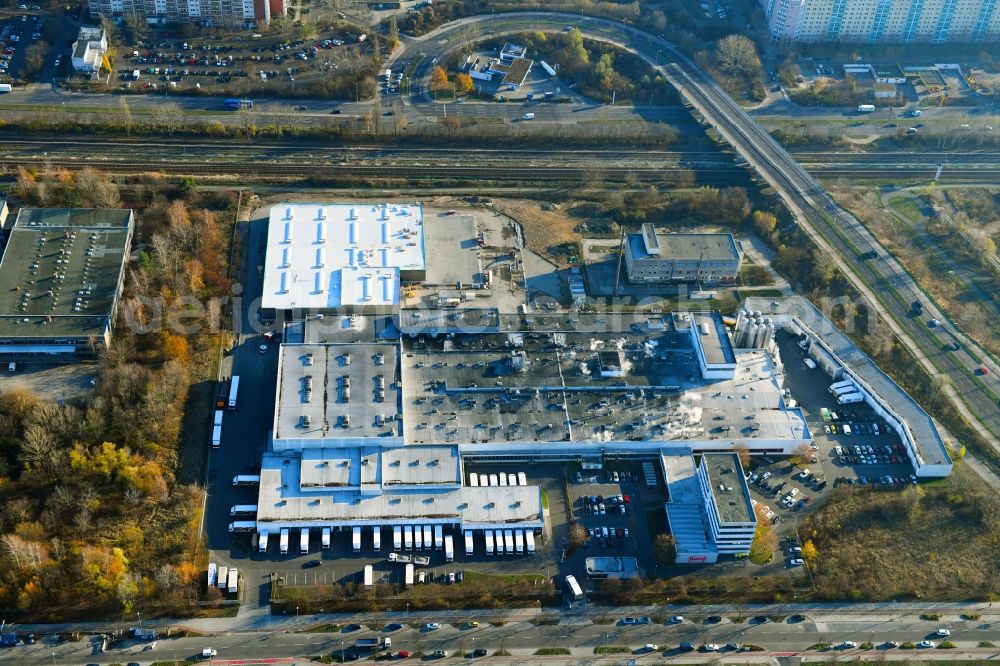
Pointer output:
x,y
408,537
326,538
213,573
438,537
243,510
850,398
216,436
428,537
519,541
489,541
508,542
469,544
233,581
522,479
304,540
418,537
369,577
246,480
234,388
262,542
377,538
493,480
223,576
243,526
283,541
397,537
409,575
512,479
356,539
529,541
449,548
474,480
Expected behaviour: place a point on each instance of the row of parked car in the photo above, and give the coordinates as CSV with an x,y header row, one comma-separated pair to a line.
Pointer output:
x,y
866,454
596,505
606,535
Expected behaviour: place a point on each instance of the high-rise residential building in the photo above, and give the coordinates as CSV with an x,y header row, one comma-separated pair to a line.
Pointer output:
x,y
206,12
882,21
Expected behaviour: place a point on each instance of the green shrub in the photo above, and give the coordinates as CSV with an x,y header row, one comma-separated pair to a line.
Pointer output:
x,y
544,652
908,645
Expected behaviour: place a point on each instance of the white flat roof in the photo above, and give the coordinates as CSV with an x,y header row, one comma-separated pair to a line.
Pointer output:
x,y
327,255
284,502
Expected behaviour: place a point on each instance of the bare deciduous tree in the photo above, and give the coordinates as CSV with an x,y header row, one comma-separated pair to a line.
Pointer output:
x,y
737,55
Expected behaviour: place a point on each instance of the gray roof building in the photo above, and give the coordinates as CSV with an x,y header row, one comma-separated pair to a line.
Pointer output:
x,y
61,275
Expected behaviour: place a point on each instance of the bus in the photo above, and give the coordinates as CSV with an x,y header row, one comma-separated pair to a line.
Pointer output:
x,y
237,104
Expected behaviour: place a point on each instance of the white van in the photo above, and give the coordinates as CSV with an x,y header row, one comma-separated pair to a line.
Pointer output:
x,y
528,116
12,367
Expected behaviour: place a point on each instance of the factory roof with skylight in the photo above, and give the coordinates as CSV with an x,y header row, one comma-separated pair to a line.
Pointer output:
x,y
323,256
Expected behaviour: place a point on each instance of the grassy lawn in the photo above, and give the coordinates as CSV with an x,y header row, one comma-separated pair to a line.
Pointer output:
x,y
760,552
472,576
925,542
907,208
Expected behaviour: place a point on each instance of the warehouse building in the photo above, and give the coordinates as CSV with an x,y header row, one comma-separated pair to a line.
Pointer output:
x,y
62,273
653,257
834,353
340,257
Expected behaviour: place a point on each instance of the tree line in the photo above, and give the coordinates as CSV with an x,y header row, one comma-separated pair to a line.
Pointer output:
x,y
94,518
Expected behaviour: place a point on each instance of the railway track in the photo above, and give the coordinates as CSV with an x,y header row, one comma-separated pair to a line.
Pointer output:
x,y
721,174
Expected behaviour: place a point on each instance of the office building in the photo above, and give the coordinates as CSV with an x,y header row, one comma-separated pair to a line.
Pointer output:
x,y
655,257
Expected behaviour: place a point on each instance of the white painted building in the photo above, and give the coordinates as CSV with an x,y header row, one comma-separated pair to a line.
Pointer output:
x,y
88,50
327,257
882,21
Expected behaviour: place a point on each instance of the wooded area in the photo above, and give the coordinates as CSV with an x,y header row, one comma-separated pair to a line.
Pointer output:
x,y
94,517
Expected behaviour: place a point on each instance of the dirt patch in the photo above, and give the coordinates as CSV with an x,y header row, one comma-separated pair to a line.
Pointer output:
x,y
544,230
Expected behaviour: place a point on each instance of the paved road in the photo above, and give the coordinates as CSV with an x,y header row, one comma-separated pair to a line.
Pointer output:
x,y
522,638
244,432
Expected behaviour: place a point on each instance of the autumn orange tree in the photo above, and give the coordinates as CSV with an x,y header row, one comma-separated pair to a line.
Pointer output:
x,y
439,79
463,84
95,512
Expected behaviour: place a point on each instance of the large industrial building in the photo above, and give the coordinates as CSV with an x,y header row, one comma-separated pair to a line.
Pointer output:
x,y
62,272
379,413
655,257
341,258
882,21
838,357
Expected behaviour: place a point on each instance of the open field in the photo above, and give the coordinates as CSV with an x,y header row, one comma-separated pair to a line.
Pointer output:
x,y
927,542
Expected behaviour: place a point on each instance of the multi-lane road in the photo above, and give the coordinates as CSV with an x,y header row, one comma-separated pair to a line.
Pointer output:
x,y
783,634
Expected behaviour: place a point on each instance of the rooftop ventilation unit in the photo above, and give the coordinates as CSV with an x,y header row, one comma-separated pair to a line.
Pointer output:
x,y
321,232
288,232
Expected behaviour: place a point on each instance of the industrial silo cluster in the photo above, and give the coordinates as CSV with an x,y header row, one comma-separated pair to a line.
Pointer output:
x,y
753,331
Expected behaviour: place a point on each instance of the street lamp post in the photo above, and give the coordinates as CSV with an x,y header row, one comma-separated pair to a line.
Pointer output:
x,y
341,651
139,615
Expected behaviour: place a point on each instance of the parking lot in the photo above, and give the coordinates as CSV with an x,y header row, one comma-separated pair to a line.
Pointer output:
x,y
247,65
851,445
